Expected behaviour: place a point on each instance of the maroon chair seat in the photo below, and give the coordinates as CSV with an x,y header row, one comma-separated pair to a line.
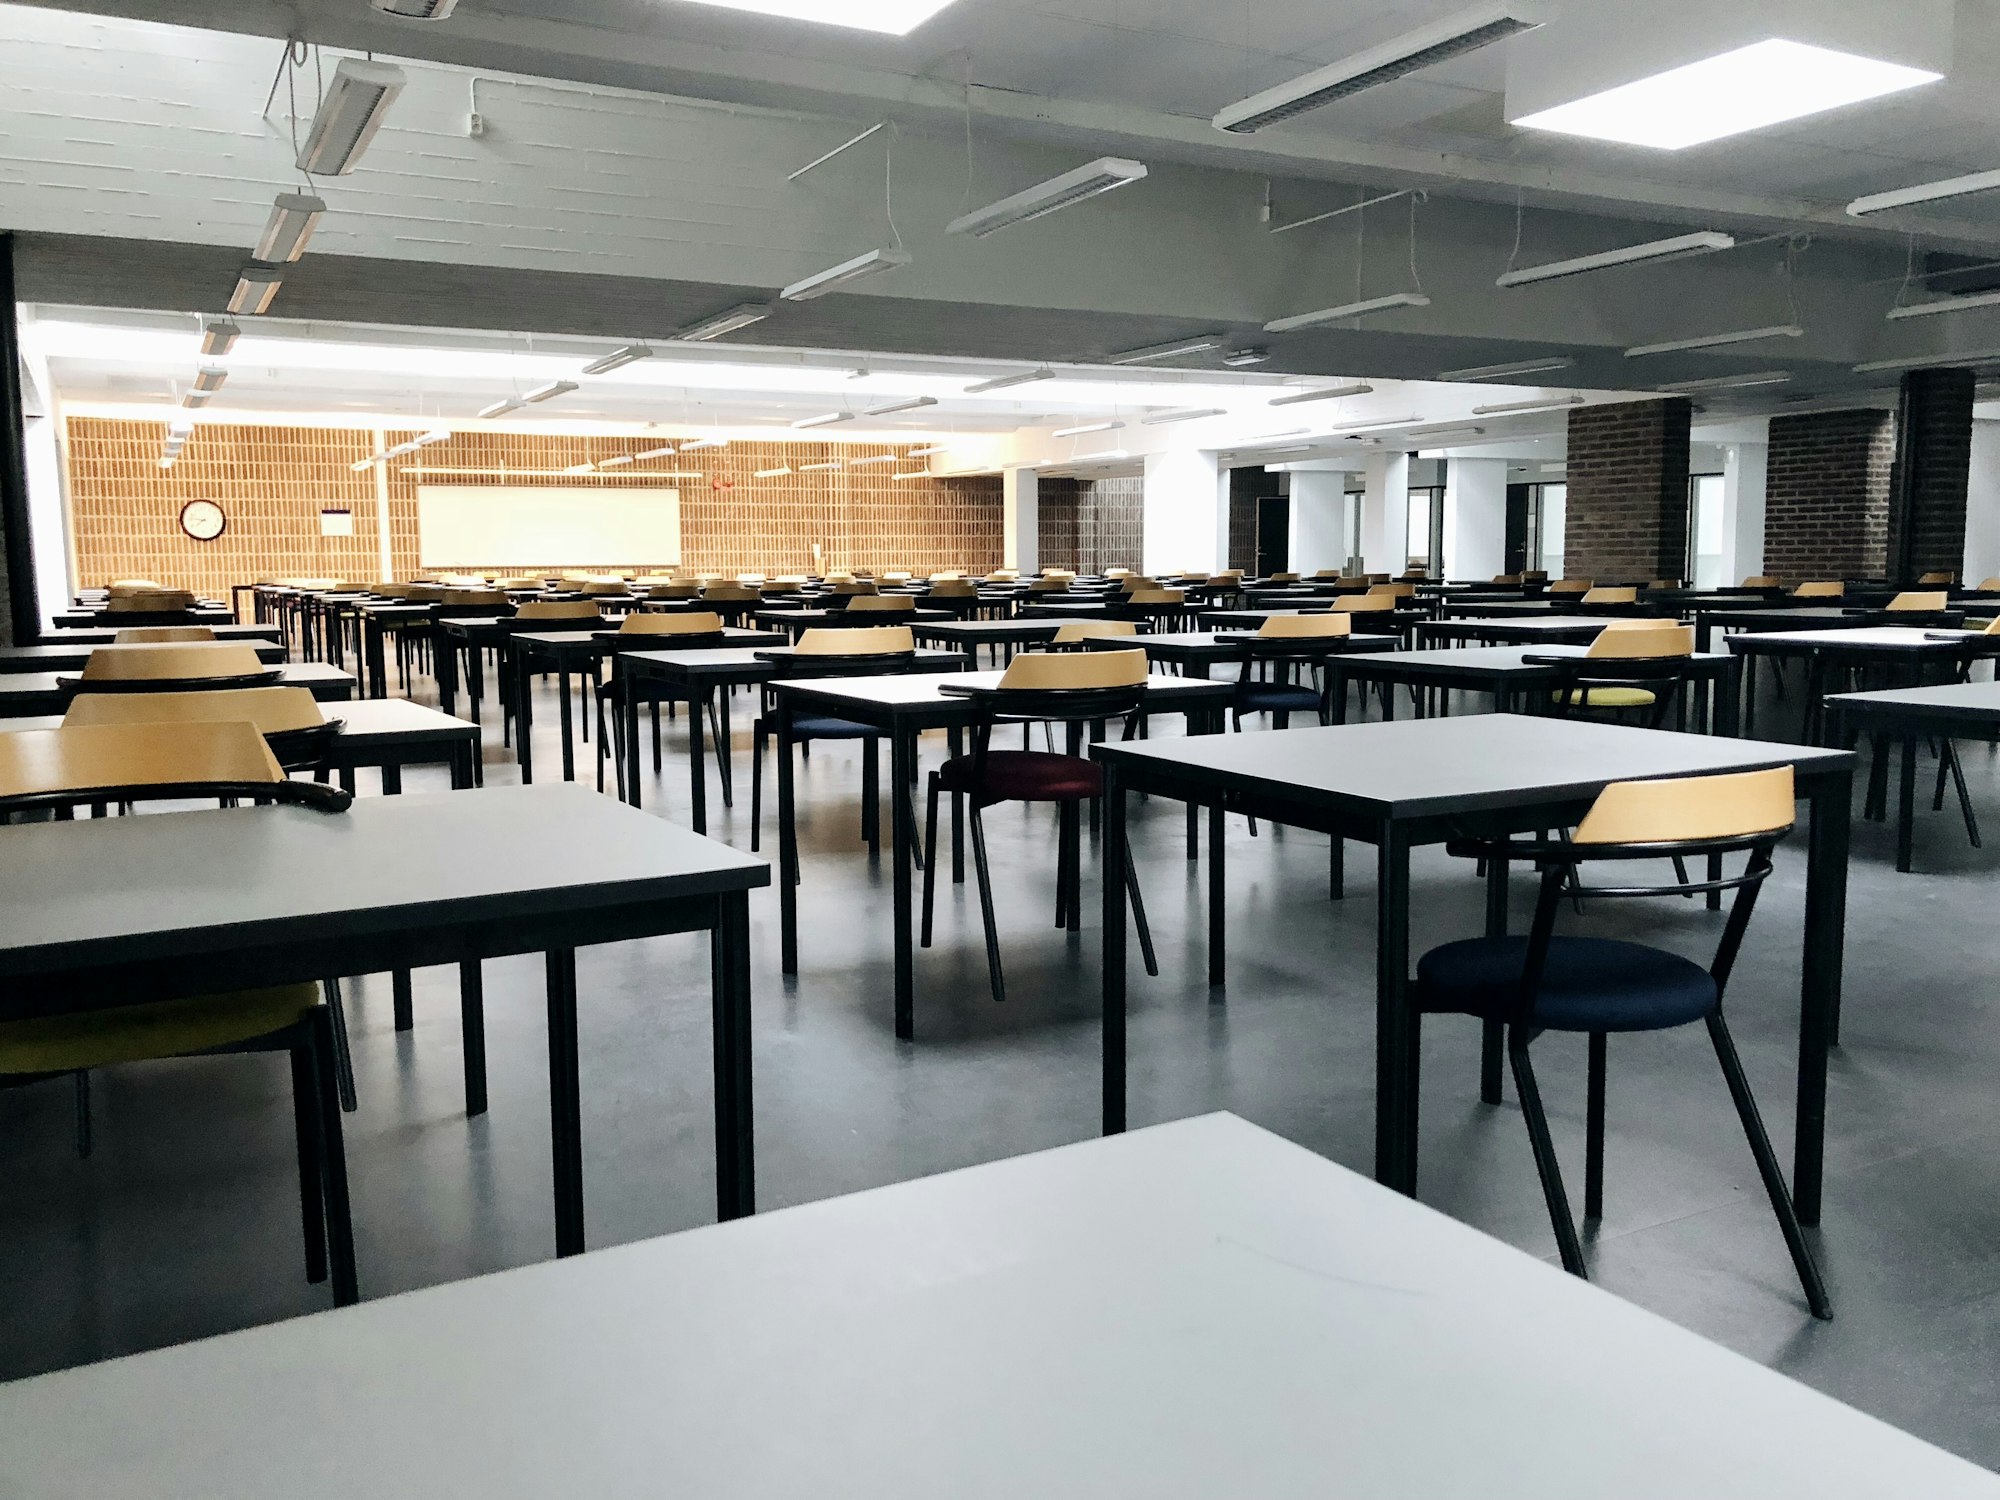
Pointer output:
x,y
1023,776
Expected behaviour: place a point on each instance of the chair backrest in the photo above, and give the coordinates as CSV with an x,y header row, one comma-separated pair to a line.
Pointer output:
x,y
1285,578
1131,583
1079,631
1917,602
998,575
163,602
273,710
1227,579
112,757
1369,603
1108,573
164,635
1157,596
475,598
605,588
694,622
1327,575
1074,671
881,604
955,588
122,586
1049,586
898,576
1829,589
1571,586
854,587
1989,586
674,590
1611,596
1665,583
865,640
728,593
1761,581
1304,627
1506,580
1937,580
173,663
557,609
1535,575
1393,590
1692,809
392,590
1066,574
1642,640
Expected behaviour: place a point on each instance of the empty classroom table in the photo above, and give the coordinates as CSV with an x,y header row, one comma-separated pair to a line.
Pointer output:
x,y
108,635
1518,682
70,655
1532,609
1804,616
1903,716
999,636
902,707
24,694
99,913
1197,653
375,620
1403,785
1197,1310
1561,628
1906,650
799,621
212,615
703,678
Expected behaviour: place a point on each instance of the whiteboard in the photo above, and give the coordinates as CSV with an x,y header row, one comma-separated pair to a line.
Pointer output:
x,y
517,526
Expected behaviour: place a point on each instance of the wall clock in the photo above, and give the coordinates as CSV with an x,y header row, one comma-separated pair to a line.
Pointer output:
x,y
203,520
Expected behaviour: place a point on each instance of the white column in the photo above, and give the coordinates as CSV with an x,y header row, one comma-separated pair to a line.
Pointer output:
x,y
1022,544
1745,472
1982,505
384,543
1385,514
1475,518
1187,512
49,515
1319,514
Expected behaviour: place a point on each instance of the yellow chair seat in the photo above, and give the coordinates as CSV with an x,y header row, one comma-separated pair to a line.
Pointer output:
x,y
138,1033
1610,697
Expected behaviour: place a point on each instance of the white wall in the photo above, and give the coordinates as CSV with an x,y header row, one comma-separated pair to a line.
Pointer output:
x,y
1319,511
1187,512
48,499
1475,518
1385,513
1745,469
1982,505
1021,499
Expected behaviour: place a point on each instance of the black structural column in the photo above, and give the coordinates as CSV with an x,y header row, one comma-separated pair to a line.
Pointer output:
x,y
1933,465
20,622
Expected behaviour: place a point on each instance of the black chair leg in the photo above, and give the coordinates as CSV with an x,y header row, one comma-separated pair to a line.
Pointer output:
x,y
1545,1153
1139,914
985,876
871,795
1767,1168
333,1165
312,1193
1964,796
85,1135
1593,1152
758,738
930,867
723,755
343,1056
656,739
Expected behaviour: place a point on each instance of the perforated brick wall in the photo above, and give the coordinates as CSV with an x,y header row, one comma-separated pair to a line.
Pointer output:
x,y
1928,490
1091,524
1627,514
1826,506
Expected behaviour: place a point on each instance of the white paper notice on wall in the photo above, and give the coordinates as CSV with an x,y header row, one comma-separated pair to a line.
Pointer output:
x,y
336,523
498,525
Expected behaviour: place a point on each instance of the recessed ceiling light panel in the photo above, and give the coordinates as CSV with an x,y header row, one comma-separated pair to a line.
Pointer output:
x,y
894,17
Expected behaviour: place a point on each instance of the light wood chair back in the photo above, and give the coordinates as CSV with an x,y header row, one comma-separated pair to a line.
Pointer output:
x,y
392,590
603,588
1363,604
1108,573
1828,589
881,604
1046,671
1761,581
1131,583
1571,586
165,602
728,593
125,586
1535,575
557,609
955,588
672,590
998,575
861,640
273,710
1642,640
1305,627
37,762
1157,596
1612,596
1919,602
854,587
1937,580
163,635
694,622
1989,586
1049,586
173,662
1290,578
1079,631
475,598
1691,809
1393,590
1506,580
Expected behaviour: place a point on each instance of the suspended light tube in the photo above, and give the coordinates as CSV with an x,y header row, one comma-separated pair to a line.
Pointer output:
x,y
1719,340
1007,382
1948,304
1929,192
1070,432
838,278
1348,310
293,219
1330,393
618,359
1088,181
1678,248
1501,372
740,316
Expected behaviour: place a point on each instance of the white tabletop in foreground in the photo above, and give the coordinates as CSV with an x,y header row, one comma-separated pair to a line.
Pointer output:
x,y
1198,1310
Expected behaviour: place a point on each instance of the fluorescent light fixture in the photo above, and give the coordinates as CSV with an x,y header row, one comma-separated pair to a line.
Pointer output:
x,y
208,380
879,458
1102,457
1348,310
1680,246
1947,304
1522,408
361,465
822,468
256,288
1746,89
1007,382
438,436
927,450
837,278
581,469
196,399
1100,176
667,452
740,316
914,474
825,419
618,359
907,403
549,392
894,17
416,10
180,430
293,219
1281,452
1070,432
1719,340
708,442
353,110
1438,432
219,337
1728,382
1330,393
1929,192
1456,35
1244,359
1167,418
1383,426
782,471
1501,372
167,460
617,460
500,408
1199,343
1927,361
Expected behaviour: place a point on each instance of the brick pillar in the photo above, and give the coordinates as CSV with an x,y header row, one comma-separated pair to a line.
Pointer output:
x,y
1933,469
1826,500
1627,512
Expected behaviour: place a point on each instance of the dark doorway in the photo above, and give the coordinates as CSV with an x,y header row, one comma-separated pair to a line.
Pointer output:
x,y
1517,527
1274,534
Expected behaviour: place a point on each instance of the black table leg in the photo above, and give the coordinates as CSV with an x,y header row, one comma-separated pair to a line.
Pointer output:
x,y
524,715
1492,1041
788,844
955,747
1830,808
628,691
1115,918
378,672
1396,1029
402,1002
1218,898
698,759
446,668
1728,699
1906,806
1749,659
735,1154
902,769
472,1027
565,1102
568,729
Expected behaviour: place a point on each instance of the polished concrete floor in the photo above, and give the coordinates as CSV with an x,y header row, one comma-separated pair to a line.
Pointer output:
x,y
184,1221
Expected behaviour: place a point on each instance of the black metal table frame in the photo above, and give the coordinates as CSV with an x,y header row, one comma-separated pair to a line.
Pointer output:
x,y
1716,680
1852,714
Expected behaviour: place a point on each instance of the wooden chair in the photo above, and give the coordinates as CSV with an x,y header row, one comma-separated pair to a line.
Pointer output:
x,y
854,588
1083,632
605,588
1278,663
291,720
1571,586
59,771
170,668
164,635
1762,581
1289,578
557,609
671,590
1506,580
695,630
1634,667
1611,596
1544,982
954,588
1397,591
1535,575
1937,580
859,651
872,606
1916,602
1988,586
1829,589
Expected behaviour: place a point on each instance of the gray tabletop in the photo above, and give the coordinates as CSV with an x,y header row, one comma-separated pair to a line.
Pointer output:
x,y
1894,639
70,655
28,693
223,632
1187,1312
1492,661
1959,702
922,692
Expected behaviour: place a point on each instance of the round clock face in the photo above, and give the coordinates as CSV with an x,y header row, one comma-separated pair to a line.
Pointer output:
x,y
203,520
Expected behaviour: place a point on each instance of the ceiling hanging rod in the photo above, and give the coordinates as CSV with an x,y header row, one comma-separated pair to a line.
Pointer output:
x,y
845,146
1353,208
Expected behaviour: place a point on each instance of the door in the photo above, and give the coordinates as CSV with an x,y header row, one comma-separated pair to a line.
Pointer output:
x,y
1274,534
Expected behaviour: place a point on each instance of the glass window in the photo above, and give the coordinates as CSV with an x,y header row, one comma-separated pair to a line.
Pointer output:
x,y
1425,527
1545,528
1705,530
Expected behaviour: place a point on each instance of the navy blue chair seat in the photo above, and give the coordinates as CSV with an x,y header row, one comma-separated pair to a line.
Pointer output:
x,y
1023,776
1588,984
1276,697
809,727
